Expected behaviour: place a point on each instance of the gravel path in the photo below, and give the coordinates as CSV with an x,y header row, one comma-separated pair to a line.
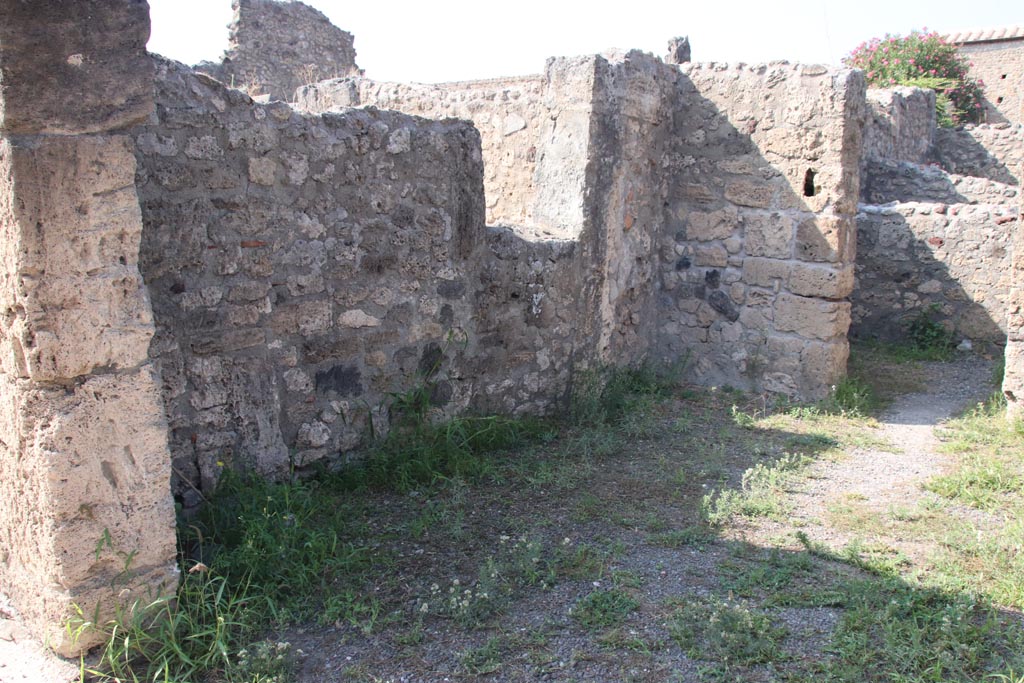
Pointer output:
x,y
884,478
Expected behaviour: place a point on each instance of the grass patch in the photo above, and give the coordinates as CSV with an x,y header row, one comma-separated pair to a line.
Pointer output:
x,y
761,492
603,609
181,638
725,630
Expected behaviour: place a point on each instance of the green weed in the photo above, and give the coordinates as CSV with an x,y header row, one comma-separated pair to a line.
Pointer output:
x,y
927,335
725,630
177,637
603,609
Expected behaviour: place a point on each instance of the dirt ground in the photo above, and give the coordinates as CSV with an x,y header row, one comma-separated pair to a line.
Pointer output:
x,y
583,559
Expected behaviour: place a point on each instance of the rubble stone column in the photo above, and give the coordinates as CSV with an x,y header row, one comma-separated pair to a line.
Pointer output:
x,y
86,517
1013,379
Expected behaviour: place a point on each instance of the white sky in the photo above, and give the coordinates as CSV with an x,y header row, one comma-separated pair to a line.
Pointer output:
x,y
458,40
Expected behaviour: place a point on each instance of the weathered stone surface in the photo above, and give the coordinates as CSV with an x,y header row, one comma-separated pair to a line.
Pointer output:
x,y
829,238
768,234
783,162
518,130
821,281
704,226
1013,377
75,284
282,296
278,45
83,434
74,66
912,259
900,124
90,464
678,51
812,318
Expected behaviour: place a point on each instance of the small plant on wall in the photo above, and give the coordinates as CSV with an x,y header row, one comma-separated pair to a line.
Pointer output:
x,y
923,59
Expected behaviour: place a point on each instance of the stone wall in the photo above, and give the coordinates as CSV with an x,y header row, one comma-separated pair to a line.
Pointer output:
x,y
757,257
509,113
953,261
887,181
986,151
1013,377
900,124
658,145
83,439
278,45
301,267
1000,65
934,229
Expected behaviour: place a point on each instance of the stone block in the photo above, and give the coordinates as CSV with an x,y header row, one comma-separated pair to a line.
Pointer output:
x,y
75,228
705,226
711,256
824,366
750,193
74,66
764,272
811,318
768,234
827,282
87,465
826,238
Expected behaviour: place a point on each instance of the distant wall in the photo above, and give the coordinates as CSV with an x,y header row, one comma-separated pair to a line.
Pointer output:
x,y
937,214
986,151
900,124
886,181
701,174
916,256
1000,65
509,113
275,46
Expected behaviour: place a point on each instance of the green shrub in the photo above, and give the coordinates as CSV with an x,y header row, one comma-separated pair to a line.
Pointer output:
x,y
925,60
926,334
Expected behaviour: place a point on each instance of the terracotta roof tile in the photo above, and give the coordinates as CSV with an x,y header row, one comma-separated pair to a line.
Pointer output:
x,y
984,35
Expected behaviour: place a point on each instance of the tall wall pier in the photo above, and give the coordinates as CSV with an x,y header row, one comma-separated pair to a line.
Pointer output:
x,y
87,519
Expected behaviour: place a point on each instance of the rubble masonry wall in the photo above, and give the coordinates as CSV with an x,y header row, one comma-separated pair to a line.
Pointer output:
x,y
274,47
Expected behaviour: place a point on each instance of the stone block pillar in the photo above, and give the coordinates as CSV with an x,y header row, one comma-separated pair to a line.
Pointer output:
x,y
87,517
1013,379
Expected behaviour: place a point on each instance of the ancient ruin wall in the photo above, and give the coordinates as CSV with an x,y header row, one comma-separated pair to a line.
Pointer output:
x,y
1013,377
87,519
757,258
509,113
995,152
301,267
900,124
278,45
999,64
934,229
952,261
